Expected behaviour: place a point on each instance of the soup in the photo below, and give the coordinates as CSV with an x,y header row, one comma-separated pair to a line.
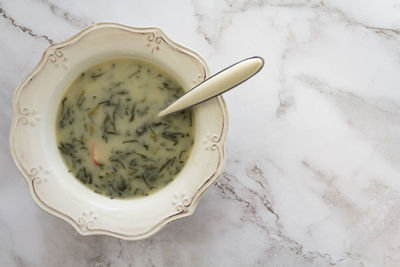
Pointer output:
x,y
109,133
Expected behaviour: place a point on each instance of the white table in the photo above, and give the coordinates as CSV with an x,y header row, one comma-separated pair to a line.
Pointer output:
x,y
312,176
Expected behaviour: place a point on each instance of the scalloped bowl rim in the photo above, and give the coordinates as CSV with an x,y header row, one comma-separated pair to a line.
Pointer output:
x,y
187,208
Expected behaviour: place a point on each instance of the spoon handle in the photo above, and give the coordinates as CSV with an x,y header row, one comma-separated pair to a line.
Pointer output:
x,y
217,84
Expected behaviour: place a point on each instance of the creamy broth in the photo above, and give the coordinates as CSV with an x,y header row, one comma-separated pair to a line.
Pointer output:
x,y
109,133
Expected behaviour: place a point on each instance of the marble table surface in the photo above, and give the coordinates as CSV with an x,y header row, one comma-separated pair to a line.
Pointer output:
x,y
312,176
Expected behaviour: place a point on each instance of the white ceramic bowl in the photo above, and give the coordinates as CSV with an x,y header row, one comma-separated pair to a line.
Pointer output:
x,y
33,143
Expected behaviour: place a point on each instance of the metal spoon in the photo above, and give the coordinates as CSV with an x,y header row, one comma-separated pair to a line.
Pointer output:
x,y
217,84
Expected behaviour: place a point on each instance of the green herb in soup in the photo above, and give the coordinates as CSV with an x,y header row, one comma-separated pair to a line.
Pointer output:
x,y
109,133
